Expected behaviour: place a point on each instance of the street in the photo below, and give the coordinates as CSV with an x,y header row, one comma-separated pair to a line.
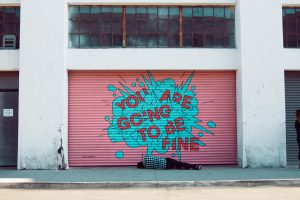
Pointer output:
x,y
209,193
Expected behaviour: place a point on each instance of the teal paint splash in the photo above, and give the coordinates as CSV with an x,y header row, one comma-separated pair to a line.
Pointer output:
x,y
133,84
151,100
119,154
200,142
111,88
211,124
106,118
141,84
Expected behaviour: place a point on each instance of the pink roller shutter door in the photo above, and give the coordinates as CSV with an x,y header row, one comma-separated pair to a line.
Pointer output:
x,y
116,116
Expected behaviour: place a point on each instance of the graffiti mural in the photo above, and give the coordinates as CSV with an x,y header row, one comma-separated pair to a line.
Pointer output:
x,y
157,114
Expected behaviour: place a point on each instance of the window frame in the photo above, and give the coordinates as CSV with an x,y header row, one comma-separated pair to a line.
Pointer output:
x,y
228,37
291,34
15,24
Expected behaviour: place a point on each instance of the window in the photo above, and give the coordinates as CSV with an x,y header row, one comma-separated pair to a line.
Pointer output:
x,y
95,26
9,23
291,27
211,27
151,27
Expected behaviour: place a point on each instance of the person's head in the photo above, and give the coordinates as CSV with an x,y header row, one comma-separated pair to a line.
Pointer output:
x,y
298,114
140,165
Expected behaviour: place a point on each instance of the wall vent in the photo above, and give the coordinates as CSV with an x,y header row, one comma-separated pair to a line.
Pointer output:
x,y
9,42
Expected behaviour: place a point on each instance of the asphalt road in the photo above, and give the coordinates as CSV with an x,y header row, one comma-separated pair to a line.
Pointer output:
x,y
224,193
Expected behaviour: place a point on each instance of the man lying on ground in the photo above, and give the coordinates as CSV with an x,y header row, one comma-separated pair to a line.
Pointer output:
x,y
155,162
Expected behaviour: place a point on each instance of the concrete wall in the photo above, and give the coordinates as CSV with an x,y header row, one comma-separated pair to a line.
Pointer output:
x,y
291,59
261,107
43,83
207,59
10,2
156,2
9,60
259,59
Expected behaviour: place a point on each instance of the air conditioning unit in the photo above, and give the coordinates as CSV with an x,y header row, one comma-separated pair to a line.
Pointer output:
x,y
9,42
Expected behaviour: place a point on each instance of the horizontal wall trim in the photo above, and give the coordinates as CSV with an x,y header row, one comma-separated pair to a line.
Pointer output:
x,y
152,2
291,2
10,2
144,59
9,60
291,59
156,2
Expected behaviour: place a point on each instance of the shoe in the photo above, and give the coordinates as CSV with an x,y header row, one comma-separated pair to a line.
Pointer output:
x,y
198,167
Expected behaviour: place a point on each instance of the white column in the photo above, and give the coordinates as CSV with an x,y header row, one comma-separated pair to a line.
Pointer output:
x,y
43,83
260,80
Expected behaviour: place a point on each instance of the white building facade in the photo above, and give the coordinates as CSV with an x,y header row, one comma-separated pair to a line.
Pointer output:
x,y
46,66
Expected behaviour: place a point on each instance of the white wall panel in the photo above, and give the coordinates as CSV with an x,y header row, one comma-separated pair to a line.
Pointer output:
x,y
291,2
139,2
9,60
291,59
10,2
118,59
261,106
43,83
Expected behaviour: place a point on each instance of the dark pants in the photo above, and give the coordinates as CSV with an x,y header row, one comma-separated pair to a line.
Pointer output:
x,y
298,149
171,163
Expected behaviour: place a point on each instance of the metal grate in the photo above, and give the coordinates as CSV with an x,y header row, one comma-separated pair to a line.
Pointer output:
x,y
9,42
292,103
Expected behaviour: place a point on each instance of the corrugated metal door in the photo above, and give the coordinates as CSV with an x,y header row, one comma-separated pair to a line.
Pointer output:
x,y
9,84
116,116
292,103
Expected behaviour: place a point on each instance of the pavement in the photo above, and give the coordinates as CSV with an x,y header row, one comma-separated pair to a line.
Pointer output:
x,y
131,177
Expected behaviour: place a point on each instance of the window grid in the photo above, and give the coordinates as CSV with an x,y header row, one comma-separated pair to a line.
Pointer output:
x,y
291,27
93,24
218,31
133,18
205,34
124,27
10,23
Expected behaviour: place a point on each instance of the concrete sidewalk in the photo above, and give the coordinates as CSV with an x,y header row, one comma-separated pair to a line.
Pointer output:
x,y
131,177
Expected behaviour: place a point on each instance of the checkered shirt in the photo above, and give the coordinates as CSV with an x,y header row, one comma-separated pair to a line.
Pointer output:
x,y
154,162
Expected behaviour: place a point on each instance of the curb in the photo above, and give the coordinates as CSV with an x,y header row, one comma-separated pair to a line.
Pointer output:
x,y
150,184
